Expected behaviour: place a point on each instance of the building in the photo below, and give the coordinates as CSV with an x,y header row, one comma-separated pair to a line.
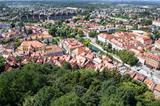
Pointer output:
x,y
150,84
152,60
70,44
139,32
2,26
1,49
12,34
81,51
104,37
157,90
46,38
139,77
156,23
108,30
157,44
117,44
28,46
53,50
145,40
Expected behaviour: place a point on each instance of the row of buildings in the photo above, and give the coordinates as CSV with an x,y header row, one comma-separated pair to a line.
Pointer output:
x,y
142,45
68,50
35,48
155,88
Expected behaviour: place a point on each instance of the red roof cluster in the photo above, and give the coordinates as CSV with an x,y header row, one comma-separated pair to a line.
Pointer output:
x,y
105,35
72,43
152,56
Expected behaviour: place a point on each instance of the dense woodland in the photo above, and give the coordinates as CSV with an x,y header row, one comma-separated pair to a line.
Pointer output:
x,y
47,85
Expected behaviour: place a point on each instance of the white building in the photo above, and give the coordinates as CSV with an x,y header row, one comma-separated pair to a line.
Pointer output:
x,y
104,37
156,23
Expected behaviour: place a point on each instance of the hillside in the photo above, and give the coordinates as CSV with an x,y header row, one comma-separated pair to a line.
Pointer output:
x,y
47,85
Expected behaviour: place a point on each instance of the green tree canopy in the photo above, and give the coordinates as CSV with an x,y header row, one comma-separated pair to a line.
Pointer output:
x,y
128,57
2,63
47,85
29,31
93,33
52,31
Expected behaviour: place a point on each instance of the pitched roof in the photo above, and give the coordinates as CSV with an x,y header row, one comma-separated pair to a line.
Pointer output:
x,y
81,50
132,74
140,77
34,44
149,83
152,56
105,35
40,36
72,43
53,48
157,87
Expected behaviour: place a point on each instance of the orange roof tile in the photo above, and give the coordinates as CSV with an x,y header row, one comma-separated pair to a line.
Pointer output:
x,y
157,87
33,44
105,35
152,56
149,83
53,48
139,77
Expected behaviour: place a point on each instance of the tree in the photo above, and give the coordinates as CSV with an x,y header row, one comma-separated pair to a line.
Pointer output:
x,y
52,31
17,44
13,25
92,97
80,33
147,22
157,35
87,17
43,97
29,31
128,57
18,58
16,84
21,25
67,65
86,42
2,63
70,99
102,22
47,85
93,33
80,90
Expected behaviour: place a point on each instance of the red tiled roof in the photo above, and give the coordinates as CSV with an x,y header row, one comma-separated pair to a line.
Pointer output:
x,y
39,36
81,50
139,77
157,87
53,48
149,83
72,43
131,74
146,38
105,35
152,56
33,43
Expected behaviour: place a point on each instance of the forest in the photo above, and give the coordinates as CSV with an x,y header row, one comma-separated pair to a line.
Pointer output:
x,y
47,85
